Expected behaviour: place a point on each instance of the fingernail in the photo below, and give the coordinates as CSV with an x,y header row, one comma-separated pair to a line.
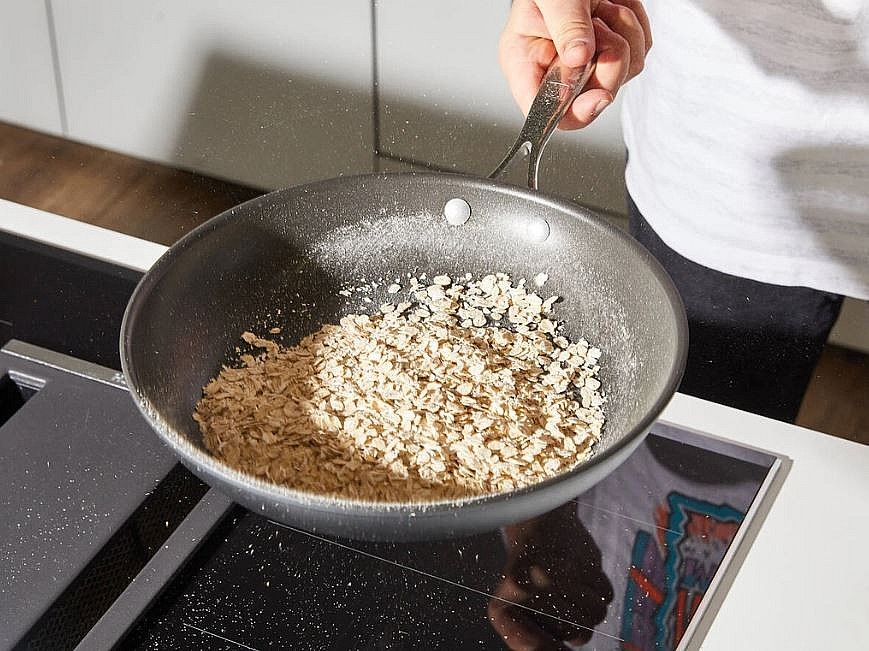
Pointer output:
x,y
601,105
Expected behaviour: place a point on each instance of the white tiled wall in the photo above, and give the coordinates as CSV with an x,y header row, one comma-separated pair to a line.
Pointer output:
x,y
28,94
444,100
231,88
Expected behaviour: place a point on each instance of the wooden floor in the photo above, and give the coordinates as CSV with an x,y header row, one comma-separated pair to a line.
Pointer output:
x,y
160,204
837,401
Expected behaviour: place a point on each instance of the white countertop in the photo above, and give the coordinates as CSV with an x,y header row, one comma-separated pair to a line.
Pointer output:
x,y
804,582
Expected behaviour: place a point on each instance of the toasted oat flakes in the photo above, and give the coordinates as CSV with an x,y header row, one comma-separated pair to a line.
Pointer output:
x,y
419,402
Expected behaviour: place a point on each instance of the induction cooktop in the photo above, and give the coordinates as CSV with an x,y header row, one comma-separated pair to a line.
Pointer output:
x,y
106,542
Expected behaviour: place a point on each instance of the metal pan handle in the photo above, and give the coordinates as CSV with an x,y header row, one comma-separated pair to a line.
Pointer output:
x,y
559,88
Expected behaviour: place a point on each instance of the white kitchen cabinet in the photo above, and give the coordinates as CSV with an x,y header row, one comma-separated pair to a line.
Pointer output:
x,y
28,89
229,88
444,101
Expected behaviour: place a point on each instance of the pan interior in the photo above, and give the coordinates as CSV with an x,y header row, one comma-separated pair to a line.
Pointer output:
x,y
281,260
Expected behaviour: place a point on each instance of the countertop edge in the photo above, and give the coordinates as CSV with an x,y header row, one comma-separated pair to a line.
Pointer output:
x,y
79,237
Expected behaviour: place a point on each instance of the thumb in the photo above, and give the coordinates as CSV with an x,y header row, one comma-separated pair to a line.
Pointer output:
x,y
570,27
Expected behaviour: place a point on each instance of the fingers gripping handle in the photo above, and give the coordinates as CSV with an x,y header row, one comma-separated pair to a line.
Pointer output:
x,y
559,88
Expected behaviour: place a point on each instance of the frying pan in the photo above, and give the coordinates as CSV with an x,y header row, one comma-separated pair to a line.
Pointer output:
x,y
281,259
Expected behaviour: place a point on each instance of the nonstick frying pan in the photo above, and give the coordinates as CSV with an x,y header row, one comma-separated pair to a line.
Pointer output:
x,y
282,258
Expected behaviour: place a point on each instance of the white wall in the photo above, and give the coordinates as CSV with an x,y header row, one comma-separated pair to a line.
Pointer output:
x,y
231,88
28,93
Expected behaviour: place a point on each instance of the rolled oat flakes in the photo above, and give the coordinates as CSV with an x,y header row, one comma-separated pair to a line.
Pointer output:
x,y
466,389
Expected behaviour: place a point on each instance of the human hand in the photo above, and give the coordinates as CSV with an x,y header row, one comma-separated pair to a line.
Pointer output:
x,y
617,30
554,567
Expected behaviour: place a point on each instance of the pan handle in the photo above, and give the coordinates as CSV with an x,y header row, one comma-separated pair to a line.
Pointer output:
x,y
559,88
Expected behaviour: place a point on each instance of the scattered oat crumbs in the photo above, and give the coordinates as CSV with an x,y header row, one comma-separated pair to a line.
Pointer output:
x,y
419,402
275,331
394,288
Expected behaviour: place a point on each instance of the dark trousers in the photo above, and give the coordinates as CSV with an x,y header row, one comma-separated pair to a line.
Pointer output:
x,y
752,346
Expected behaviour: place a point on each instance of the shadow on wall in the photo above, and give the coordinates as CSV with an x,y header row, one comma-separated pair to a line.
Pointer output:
x,y
831,198
474,143
271,127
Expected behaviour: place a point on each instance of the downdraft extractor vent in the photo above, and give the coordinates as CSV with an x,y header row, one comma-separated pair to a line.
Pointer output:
x,y
15,390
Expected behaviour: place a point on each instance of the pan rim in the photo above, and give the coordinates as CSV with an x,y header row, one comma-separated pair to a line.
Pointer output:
x,y
191,454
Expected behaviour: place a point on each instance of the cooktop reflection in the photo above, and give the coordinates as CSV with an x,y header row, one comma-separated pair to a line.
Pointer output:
x,y
627,565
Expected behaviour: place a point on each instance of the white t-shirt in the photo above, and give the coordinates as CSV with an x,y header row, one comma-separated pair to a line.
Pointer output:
x,y
748,138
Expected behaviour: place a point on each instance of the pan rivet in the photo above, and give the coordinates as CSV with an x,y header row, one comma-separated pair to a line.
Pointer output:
x,y
457,211
536,230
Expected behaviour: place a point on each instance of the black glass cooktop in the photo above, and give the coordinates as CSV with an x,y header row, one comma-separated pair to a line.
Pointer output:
x,y
625,565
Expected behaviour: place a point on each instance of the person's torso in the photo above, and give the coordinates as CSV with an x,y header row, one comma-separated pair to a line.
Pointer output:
x,y
748,137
